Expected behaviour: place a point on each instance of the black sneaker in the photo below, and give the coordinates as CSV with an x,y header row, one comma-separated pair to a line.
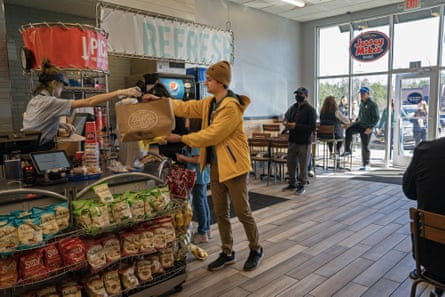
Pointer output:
x,y
300,190
222,261
345,154
289,187
254,259
413,274
436,292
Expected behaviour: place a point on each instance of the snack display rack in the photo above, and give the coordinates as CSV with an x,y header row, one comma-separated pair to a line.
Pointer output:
x,y
136,181
170,279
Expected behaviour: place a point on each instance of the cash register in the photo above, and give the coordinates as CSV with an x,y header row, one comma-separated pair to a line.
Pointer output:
x,y
15,148
51,167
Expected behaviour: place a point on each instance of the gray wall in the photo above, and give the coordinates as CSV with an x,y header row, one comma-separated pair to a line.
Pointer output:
x,y
267,54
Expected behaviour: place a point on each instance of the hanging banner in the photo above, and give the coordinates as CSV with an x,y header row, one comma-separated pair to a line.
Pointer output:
x,y
67,45
134,34
369,46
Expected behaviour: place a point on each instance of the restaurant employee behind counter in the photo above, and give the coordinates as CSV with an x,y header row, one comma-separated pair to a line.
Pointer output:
x,y
45,108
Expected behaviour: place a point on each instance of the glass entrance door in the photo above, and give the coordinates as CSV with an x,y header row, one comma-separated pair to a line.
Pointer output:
x,y
413,109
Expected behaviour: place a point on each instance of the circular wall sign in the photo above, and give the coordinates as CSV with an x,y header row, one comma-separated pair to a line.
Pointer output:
x,y
369,46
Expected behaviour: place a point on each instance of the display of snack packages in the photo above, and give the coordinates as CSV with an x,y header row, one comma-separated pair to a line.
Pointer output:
x,y
95,253
121,211
91,214
31,266
130,242
47,291
95,287
167,258
112,281
52,258
146,239
62,213
104,193
9,237
70,289
156,266
136,203
72,250
180,181
128,277
143,270
48,221
8,272
29,231
112,247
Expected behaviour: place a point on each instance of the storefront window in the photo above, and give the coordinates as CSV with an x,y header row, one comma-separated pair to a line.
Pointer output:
x,y
334,53
377,85
416,40
336,87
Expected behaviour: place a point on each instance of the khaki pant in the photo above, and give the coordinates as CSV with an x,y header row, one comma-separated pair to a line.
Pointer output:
x,y
234,189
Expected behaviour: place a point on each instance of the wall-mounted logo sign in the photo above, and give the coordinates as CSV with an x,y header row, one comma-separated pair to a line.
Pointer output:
x,y
369,46
414,97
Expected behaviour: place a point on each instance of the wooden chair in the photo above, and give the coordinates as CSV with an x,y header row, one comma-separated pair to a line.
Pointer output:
x,y
274,129
259,152
430,226
278,156
326,137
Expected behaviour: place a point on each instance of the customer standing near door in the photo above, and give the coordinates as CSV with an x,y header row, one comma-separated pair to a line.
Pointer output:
x,y
223,145
368,116
300,119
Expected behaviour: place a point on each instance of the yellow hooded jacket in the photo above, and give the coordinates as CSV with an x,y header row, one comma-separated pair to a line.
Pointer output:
x,y
226,133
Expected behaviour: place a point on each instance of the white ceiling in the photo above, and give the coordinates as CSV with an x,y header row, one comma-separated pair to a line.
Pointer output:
x,y
314,9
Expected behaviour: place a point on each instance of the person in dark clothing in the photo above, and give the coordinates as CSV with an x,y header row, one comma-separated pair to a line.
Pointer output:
x,y
330,114
300,120
422,181
368,117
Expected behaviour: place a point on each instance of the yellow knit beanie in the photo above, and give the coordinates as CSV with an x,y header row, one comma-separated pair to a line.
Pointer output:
x,y
220,72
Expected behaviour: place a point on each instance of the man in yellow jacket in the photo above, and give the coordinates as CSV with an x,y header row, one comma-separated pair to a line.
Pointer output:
x,y
224,146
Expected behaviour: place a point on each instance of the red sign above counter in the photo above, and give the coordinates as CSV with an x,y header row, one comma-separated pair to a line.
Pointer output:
x,y
369,46
67,46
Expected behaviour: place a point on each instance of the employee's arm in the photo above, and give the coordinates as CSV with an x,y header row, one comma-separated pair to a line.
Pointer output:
x,y
101,98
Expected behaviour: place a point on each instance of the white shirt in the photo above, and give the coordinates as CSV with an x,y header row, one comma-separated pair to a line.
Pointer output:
x,y
43,113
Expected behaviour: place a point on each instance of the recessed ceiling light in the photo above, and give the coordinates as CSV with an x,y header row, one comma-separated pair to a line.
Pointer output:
x,y
299,3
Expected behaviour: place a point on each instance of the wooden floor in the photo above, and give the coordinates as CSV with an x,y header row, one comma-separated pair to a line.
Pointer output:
x,y
342,238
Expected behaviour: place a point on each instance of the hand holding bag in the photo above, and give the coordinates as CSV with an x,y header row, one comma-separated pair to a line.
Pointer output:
x,y
145,121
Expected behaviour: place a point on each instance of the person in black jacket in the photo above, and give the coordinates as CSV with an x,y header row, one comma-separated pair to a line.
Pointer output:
x,y
422,181
300,120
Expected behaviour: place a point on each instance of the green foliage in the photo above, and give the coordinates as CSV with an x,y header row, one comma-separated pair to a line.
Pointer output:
x,y
339,88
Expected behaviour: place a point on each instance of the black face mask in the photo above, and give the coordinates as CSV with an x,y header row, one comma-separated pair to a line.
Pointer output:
x,y
299,98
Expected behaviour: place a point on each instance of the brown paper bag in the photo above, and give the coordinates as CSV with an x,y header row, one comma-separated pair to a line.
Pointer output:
x,y
144,121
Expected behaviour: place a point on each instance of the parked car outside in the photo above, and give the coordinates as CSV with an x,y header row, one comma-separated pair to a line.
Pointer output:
x,y
407,112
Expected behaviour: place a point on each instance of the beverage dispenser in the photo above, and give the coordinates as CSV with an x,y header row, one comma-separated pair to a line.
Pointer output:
x,y
179,86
